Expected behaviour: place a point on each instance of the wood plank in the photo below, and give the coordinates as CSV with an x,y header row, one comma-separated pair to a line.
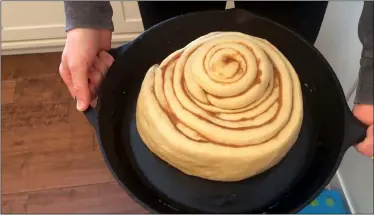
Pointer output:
x,y
40,115
98,198
40,127
43,118
14,203
50,159
48,145
29,65
40,89
53,138
7,91
32,172
32,116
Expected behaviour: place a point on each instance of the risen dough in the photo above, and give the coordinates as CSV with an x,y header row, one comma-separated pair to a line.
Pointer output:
x,y
226,107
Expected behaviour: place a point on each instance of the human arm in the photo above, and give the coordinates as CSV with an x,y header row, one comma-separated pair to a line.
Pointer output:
x,y
88,14
89,31
364,93
364,108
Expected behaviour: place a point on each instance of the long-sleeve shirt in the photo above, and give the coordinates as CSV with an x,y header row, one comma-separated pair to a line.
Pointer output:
x,y
92,14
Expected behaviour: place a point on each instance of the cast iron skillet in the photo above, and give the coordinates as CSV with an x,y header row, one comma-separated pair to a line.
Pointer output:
x,y
328,129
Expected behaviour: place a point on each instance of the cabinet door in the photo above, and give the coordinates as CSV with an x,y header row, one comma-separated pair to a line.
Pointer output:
x,y
34,20
37,20
127,22
126,17
39,26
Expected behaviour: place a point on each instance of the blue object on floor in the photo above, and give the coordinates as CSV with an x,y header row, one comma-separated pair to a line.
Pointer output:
x,y
328,202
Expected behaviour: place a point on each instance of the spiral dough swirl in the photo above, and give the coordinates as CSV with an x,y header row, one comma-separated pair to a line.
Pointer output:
x,y
226,107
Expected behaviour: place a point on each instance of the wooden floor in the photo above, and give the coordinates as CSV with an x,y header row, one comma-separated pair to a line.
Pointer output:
x,y
50,160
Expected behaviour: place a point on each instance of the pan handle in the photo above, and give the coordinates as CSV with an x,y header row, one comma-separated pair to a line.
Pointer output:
x,y
115,52
91,112
354,131
92,117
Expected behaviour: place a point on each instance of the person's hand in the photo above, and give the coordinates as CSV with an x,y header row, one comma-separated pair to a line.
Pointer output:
x,y
97,72
365,114
84,63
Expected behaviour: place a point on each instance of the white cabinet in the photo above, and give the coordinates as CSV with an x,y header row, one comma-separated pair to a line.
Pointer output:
x,y
22,20
39,26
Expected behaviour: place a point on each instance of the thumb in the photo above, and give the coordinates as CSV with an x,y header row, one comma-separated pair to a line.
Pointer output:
x,y
79,76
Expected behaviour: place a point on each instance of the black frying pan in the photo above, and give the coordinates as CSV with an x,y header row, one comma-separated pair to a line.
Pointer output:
x,y
328,129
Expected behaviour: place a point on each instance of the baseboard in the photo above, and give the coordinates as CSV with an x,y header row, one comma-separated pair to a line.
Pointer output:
x,y
52,45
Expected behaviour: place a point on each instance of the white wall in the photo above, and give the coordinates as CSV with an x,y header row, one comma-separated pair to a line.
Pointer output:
x,y
338,42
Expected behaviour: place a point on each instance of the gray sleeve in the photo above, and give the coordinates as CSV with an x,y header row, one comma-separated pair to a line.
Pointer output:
x,y
88,14
364,92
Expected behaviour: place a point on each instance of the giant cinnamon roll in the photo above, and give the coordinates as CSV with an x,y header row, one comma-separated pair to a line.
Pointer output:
x,y
226,107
